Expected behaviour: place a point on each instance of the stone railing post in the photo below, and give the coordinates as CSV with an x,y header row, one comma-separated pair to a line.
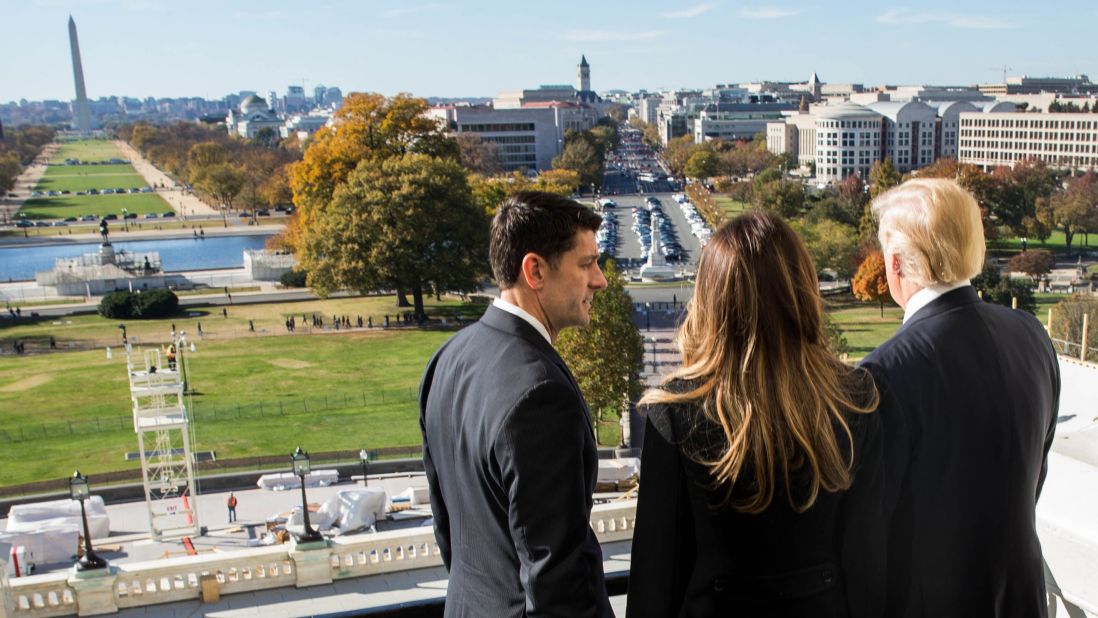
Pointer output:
x,y
94,591
312,563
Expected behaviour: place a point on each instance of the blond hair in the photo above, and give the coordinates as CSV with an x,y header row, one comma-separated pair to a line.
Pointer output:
x,y
755,359
934,226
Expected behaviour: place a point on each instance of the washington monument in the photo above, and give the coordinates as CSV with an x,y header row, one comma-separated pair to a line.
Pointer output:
x,y
80,108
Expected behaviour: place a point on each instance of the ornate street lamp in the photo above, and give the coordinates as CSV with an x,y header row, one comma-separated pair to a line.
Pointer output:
x,y
300,460
364,457
78,490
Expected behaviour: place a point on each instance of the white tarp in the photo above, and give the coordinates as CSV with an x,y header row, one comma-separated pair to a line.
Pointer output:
x,y
46,546
416,496
614,470
347,511
60,514
289,480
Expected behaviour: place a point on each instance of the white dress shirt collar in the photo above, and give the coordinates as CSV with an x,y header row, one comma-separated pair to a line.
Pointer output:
x,y
927,295
520,312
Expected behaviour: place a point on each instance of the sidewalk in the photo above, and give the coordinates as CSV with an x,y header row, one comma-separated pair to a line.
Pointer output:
x,y
183,202
25,183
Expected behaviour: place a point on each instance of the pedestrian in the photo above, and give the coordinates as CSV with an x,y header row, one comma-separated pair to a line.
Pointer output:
x,y
53,343
225,313
231,503
251,326
199,325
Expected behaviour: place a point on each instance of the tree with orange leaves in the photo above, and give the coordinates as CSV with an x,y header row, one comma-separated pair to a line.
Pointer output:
x,y
870,283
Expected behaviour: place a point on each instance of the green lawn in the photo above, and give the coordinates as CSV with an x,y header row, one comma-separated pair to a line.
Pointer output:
x,y
86,150
731,207
98,205
862,324
83,177
1054,243
256,394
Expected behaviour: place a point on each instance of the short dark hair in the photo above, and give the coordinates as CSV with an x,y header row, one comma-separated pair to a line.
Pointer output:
x,y
535,222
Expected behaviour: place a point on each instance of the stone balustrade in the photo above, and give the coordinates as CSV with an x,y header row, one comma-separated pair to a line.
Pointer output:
x,y
170,580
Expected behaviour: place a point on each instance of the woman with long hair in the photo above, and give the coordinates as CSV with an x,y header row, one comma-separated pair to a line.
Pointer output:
x,y
761,490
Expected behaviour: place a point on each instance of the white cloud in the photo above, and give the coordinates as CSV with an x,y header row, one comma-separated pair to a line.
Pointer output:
x,y
693,11
412,10
607,36
768,12
904,15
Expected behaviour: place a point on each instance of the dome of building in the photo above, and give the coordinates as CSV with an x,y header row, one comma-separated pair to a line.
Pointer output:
x,y
253,103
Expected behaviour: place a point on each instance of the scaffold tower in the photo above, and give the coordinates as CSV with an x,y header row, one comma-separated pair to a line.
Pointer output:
x,y
157,382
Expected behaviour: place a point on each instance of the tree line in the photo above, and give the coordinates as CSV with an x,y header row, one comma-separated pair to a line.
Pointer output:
x,y
19,148
225,170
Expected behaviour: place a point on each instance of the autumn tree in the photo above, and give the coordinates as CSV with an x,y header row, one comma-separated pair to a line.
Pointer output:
x,y
870,283
1067,324
1073,208
832,245
477,155
1035,262
702,164
677,152
883,175
581,156
785,197
9,170
222,182
607,355
407,222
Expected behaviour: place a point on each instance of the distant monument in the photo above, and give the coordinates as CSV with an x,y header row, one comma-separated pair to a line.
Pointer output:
x,y
656,269
80,107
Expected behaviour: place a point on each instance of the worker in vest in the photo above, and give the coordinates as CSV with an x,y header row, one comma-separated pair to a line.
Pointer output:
x,y
231,503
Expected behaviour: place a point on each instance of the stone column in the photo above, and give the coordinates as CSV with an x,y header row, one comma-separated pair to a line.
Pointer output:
x,y
94,591
312,563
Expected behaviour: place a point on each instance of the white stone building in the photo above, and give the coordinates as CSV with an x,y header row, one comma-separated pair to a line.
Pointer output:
x,y
996,139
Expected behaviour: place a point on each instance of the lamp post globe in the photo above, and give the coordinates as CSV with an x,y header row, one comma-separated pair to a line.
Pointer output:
x,y
78,490
302,467
364,458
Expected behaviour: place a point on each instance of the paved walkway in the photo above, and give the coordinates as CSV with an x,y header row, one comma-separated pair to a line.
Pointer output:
x,y
183,202
25,183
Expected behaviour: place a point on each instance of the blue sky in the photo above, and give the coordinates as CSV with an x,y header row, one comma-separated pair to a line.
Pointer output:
x,y
477,48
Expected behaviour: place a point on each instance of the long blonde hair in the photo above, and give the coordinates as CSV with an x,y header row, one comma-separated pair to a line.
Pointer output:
x,y
755,359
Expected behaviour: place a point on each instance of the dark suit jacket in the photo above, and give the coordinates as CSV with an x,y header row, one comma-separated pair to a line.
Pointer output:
x,y
969,394
511,461
693,559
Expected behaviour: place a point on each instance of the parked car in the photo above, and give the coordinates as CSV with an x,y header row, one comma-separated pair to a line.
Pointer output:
x,y
23,223
41,224
88,218
263,212
93,191
71,219
110,217
151,215
165,215
130,215
60,224
108,191
146,189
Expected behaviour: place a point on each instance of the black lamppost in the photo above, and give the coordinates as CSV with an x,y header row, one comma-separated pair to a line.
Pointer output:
x,y
78,490
364,457
301,468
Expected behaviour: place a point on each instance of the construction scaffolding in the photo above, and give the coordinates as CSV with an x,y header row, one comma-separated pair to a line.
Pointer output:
x,y
157,383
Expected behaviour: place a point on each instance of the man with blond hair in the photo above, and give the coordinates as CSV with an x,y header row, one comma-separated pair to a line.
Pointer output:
x,y
969,393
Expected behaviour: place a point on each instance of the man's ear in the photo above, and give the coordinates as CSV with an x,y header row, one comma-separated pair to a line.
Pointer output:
x,y
894,264
533,270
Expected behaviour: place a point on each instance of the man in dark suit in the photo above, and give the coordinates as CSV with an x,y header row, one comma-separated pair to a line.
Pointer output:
x,y
508,444
969,395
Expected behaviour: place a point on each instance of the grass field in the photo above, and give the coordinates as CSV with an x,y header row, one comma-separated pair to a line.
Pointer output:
x,y
98,205
84,177
87,390
1054,243
86,150
337,390
731,207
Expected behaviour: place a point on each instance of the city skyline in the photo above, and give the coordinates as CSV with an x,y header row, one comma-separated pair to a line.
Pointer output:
x,y
143,48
